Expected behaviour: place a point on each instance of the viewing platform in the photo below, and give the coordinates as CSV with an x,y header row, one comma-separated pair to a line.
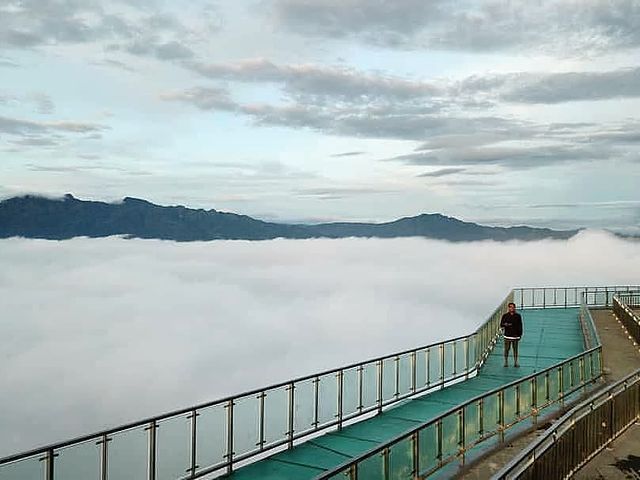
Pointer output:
x,y
443,410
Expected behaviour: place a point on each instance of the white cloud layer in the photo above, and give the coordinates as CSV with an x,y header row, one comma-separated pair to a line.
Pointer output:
x,y
100,332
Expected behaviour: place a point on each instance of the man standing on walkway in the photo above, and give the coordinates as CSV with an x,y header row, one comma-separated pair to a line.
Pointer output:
x,y
511,324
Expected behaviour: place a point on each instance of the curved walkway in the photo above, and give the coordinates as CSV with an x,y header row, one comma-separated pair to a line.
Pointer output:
x,y
551,335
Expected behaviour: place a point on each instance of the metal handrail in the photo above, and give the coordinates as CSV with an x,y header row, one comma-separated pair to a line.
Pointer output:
x,y
348,465
482,341
534,451
486,333
527,457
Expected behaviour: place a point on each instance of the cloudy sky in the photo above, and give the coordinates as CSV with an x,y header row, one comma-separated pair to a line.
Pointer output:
x,y
86,323
501,111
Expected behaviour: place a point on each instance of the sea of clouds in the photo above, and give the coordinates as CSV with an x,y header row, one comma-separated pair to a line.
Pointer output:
x,y
98,332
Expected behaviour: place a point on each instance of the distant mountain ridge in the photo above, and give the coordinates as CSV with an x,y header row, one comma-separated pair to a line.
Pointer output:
x,y
33,216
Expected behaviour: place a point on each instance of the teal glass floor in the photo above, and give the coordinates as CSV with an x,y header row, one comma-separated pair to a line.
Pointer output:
x,y
550,336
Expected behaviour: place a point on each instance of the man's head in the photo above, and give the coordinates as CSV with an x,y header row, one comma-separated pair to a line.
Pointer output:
x,y
512,307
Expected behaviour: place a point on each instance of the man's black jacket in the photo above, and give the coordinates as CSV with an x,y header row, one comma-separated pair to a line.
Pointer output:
x,y
512,324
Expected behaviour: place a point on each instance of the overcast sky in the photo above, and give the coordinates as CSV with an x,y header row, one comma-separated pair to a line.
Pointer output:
x,y
489,110
99,332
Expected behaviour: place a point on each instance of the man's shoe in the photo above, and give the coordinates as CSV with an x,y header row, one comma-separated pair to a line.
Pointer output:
x,y
506,364
517,365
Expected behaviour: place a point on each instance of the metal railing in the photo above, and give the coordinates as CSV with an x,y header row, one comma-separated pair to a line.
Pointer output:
x,y
623,306
213,437
543,297
423,450
590,426
449,439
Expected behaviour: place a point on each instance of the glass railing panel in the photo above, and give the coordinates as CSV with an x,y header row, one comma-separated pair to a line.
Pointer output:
x,y
81,461
350,391
428,448
276,413
304,405
434,365
554,384
527,297
341,476
246,425
510,405
473,345
128,454
421,369
597,365
450,435
538,297
401,460
26,469
371,467
211,436
471,423
525,400
490,413
541,390
550,297
173,440
449,359
588,372
369,385
561,297
567,377
327,398
405,370
461,356
388,379
573,297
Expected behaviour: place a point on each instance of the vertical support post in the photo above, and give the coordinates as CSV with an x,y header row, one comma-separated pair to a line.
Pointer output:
x,y
229,454
48,464
481,417
193,444
380,379
518,400
561,384
461,435
385,464
428,361
397,369
466,357
316,402
261,423
152,450
547,388
360,387
534,399
340,379
439,442
455,358
414,371
441,346
291,388
104,457
415,444
501,415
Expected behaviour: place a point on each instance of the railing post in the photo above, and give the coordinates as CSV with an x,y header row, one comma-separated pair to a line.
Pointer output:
x,y
501,427
397,369
441,346
290,432
561,385
229,454
455,358
414,372
340,379
466,357
428,361
152,450
193,444
439,442
48,464
380,379
261,434
415,444
316,403
360,388
481,417
104,457
461,436
534,399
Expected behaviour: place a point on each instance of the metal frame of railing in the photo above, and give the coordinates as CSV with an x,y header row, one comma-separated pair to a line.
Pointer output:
x,y
476,420
589,427
244,424
216,436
